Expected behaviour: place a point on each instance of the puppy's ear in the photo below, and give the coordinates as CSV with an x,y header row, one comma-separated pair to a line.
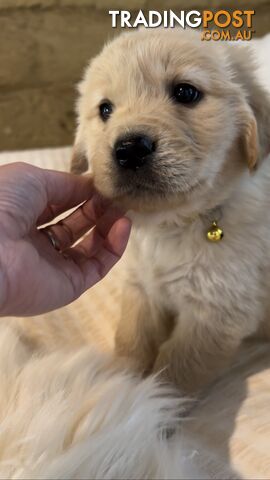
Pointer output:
x,y
256,115
260,105
79,161
255,124
250,143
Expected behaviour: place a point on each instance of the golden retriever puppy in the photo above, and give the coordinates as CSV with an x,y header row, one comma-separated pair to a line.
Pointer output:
x,y
177,131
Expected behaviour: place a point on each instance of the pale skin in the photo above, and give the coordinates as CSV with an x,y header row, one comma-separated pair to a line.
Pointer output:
x,y
34,276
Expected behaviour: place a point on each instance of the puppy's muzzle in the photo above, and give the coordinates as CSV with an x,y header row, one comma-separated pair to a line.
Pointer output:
x,y
133,152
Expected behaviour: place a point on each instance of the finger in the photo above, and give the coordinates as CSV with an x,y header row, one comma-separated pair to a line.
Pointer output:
x,y
63,191
68,230
96,256
94,242
51,212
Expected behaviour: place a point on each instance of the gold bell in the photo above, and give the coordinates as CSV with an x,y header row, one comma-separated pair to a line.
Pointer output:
x,y
215,234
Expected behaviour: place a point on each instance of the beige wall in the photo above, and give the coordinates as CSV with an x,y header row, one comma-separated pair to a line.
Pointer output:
x,y
44,46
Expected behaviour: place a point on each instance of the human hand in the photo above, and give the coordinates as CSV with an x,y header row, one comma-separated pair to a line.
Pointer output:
x,y
35,277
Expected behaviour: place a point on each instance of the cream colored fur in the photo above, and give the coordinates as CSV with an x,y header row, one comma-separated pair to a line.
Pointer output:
x,y
188,303
76,414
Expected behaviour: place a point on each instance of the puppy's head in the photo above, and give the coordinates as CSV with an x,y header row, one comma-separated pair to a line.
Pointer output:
x,y
166,119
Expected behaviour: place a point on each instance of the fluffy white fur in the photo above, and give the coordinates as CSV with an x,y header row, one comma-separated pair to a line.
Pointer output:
x,y
76,415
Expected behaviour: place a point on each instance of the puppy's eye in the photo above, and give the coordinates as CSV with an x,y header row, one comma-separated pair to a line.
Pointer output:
x,y
105,110
186,93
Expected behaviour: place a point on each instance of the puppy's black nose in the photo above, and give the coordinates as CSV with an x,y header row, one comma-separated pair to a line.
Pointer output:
x,y
133,152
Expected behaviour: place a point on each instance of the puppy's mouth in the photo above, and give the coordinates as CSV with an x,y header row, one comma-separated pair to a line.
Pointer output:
x,y
143,167
141,183
135,160
153,185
